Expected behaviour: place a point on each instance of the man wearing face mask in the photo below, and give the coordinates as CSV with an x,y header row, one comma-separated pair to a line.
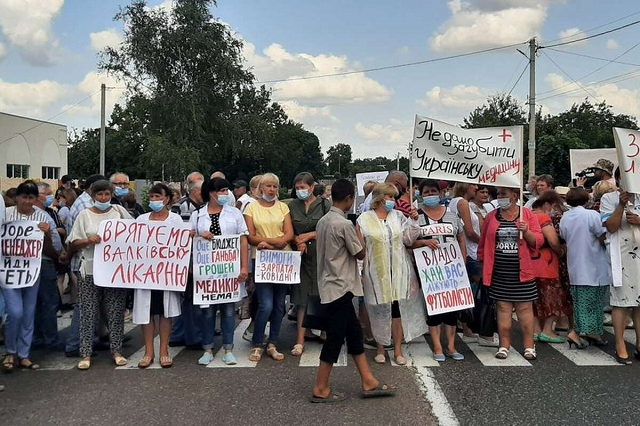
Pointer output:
x,y
120,182
46,323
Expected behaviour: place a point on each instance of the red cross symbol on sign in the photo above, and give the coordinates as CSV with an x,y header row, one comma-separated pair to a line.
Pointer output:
x,y
504,135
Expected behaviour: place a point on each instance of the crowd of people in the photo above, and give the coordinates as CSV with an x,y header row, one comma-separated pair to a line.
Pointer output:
x,y
562,261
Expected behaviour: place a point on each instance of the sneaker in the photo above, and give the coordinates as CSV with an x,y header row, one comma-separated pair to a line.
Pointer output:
x,y
229,359
456,356
439,358
488,343
206,358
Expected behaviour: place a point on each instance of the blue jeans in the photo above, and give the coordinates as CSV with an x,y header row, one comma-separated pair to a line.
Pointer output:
x,y
271,298
228,322
21,310
46,321
2,308
188,326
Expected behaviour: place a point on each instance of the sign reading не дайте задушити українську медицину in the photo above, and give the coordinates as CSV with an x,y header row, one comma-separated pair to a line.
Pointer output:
x,y
487,156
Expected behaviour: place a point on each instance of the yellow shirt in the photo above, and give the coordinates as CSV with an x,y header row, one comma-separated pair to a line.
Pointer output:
x,y
268,221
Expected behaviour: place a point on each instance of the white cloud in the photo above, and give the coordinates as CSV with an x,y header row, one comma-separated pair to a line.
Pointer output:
x,y
301,113
30,98
457,98
103,39
612,44
3,51
89,86
276,63
488,24
573,34
397,131
404,50
27,26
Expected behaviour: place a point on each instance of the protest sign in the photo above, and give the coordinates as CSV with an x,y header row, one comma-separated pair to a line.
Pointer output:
x,y
445,283
362,178
21,255
216,266
581,159
142,255
487,156
628,149
278,267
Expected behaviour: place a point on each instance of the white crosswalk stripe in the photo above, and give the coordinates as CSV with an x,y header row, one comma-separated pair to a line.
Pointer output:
x,y
418,354
629,335
591,356
241,350
487,356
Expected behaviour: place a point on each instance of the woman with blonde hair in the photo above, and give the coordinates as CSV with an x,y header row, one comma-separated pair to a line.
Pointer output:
x,y
394,301
270,228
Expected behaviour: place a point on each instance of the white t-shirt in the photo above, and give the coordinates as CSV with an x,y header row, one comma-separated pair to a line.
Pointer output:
x,y
245,199
86,225
472,247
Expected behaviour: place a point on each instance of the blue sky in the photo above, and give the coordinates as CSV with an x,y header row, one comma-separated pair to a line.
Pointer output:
x,y
48,56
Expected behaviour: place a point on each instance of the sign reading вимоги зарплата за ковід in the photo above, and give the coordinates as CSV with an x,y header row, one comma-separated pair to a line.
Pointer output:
x,y
487,156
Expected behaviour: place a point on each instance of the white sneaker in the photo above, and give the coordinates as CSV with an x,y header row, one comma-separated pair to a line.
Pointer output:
x,y
493,343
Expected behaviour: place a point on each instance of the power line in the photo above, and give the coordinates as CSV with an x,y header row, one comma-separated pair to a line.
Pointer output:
x,y
591,36
571,78
388,67
595,57
596,70
598,27
51,118
518,80
515,70
614,79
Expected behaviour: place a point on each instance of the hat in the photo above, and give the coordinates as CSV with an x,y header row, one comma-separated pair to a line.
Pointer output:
x,y
604,165
240,184
562,190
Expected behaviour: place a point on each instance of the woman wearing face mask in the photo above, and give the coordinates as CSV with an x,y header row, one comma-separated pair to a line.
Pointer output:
x,y
83,238
392,294
147,304
433,213
270,228
554,300
507,245
21,302
219,217
306,211
66,198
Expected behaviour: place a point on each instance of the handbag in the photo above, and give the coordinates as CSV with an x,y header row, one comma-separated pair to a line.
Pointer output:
x,y
484,321
315,315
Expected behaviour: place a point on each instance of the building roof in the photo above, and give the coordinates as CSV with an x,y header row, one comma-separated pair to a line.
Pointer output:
x,y
32,119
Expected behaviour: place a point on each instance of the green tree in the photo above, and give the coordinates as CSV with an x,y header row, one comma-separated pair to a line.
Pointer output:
x,y
499,110
339,160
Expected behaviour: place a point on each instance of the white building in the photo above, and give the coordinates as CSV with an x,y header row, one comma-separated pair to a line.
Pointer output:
x,y
31,149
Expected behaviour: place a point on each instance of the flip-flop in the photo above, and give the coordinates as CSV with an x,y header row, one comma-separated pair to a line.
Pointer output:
x,y
333,398
381,390
30,366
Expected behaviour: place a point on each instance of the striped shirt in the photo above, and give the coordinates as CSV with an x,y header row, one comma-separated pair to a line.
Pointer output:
x,y
83,202
505,284
39,216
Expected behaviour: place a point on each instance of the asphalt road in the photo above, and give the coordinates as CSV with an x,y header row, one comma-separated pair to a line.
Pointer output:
x,y
561,387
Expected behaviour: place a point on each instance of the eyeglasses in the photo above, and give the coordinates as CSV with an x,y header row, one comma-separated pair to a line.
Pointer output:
x,y
121,184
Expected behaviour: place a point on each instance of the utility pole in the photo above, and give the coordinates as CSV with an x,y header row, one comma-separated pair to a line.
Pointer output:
x,y
532,107
398,161
103,96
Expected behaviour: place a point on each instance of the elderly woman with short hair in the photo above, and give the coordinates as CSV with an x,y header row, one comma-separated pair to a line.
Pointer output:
x,y
392,294
83,238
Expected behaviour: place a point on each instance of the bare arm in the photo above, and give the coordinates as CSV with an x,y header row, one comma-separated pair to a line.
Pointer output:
x,y
465,213
551,237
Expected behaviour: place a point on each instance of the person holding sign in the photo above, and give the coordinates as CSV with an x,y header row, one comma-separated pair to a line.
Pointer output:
x,y
339,249
433,216
510,238
306,211
149,303
83,238
270,228
21,301
218,217
392,294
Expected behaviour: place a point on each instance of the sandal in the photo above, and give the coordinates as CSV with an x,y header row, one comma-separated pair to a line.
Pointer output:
x,y
145,362
334,397
530,354
381,390
28,365
272,351
380,359
502,353
9,363
120,360
85,364
297,350
256,354
166,362
400,360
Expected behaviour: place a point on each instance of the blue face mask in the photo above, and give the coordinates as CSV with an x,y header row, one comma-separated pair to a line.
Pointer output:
x,y
156,206
101,206
121,192
417,193
303,194
49,200
223,200
268,199
431,201
389,205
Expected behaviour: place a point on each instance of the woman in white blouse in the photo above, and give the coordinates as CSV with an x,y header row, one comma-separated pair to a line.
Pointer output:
x,y
147,304
218,217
